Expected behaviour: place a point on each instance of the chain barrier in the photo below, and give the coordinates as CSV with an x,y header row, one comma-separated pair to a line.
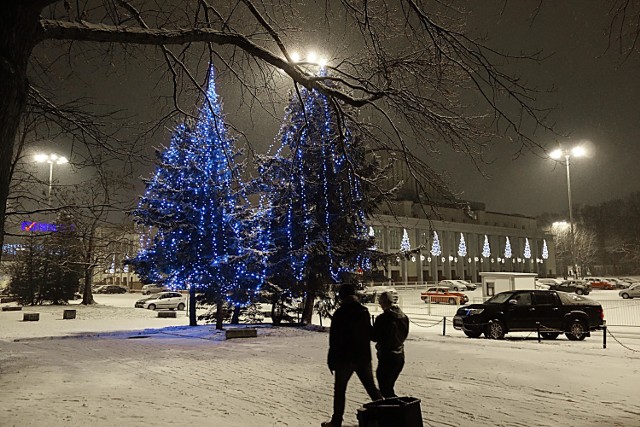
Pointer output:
x,y
618,341
429,326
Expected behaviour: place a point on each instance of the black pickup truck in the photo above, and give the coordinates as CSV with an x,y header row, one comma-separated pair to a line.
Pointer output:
x,y
553,312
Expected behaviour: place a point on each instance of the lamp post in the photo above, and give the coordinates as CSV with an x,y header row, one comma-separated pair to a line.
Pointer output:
x,y
52,159
558,154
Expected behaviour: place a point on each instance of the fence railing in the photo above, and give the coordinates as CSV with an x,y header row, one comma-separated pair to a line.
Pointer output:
x,y
621,312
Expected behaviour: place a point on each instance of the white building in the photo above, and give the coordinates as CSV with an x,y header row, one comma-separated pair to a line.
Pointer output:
x,y
460,243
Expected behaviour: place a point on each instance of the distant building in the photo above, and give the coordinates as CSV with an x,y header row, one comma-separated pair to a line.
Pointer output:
x,y
453,239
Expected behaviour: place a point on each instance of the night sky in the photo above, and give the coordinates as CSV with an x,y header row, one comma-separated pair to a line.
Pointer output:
x,y
596,95
597,99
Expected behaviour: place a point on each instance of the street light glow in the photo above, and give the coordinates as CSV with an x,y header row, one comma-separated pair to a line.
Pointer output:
x,y
322,62
578,151
561,225
312,57
295,57
556,154
50,158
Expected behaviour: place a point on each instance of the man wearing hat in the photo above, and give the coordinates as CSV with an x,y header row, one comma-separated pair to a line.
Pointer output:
x,y
349,350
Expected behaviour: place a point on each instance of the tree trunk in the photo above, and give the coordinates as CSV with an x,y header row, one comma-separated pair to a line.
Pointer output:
x,y
87,294
219,315
307,312
193,321
19,24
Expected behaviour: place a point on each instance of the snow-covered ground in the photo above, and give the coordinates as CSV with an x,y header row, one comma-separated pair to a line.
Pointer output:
x,y
118,366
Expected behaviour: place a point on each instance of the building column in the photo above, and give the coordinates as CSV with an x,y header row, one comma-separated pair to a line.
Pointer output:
x,y
418,263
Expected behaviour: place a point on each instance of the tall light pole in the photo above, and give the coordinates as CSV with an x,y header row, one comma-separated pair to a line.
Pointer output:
x,y
52,159
558,154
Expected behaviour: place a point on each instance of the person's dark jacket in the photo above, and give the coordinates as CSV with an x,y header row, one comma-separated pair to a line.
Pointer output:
x,y
390,329
350,334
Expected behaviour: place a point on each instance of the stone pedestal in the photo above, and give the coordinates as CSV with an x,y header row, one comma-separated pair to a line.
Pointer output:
x,y
241,333
30,317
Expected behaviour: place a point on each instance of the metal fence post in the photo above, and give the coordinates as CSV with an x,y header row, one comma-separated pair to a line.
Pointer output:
x,y
538,330
444,326
604,334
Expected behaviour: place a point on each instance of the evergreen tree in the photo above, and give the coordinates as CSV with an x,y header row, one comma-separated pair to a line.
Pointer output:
x,y
317,200
46,269
193,209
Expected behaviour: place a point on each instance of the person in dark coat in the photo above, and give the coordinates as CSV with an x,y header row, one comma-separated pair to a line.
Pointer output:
x,y
349,350
390,329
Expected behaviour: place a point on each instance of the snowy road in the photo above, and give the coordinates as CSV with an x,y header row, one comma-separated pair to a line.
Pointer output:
x,y
188,376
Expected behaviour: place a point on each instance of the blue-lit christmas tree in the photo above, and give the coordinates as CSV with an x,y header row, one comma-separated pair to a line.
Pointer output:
x,y
193,208
312,177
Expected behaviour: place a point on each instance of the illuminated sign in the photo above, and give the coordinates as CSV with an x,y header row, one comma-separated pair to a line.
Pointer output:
x,y
43,227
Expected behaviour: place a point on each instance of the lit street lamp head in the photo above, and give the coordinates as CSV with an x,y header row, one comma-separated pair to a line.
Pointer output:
x,y
50,158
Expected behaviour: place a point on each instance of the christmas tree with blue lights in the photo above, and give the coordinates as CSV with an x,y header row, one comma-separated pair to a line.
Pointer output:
x,y
194,209
312,177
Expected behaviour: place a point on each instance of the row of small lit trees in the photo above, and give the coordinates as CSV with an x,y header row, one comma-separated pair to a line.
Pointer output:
x,y
305,228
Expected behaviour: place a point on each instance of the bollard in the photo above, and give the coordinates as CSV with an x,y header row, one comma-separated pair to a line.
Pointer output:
x,y
538,330
604,334
444,326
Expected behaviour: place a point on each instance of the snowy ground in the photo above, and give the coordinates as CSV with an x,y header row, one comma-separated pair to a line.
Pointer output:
x,y
171,373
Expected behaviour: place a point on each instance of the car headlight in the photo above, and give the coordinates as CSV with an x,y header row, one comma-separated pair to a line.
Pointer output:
x,y
474,311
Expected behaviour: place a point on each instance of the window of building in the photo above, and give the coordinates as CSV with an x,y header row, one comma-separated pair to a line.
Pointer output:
x,y
395,234
378,235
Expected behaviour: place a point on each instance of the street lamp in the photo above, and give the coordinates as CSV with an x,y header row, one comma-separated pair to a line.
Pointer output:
x,y
558,154
52,159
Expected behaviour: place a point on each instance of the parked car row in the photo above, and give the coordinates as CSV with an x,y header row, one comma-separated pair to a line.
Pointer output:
x,y
457,285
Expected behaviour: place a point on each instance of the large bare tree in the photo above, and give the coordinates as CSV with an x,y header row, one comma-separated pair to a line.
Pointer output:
x,y
408,64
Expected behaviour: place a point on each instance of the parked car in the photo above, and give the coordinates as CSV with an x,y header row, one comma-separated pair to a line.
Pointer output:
x,y
170,300
618,283
153,289
578,286
545,283
522,310
110,289
442,294
632,291
599,283
458,285
370,295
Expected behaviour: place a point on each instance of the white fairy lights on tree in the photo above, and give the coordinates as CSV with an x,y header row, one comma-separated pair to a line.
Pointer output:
x,y
486,250
527,249
507,249
435,246
462,246
405,244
